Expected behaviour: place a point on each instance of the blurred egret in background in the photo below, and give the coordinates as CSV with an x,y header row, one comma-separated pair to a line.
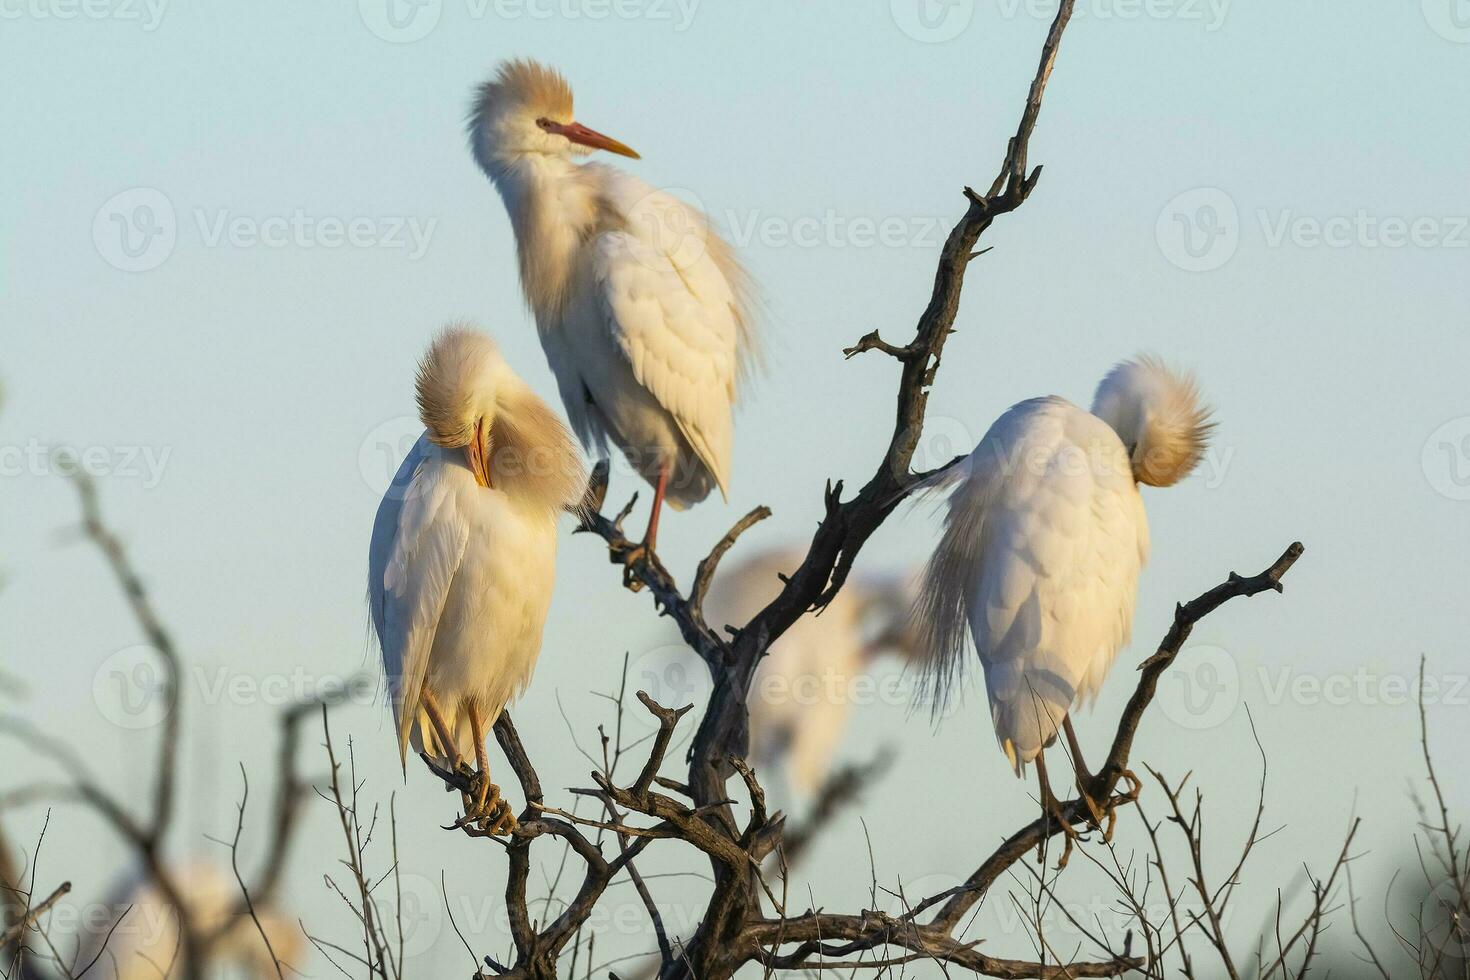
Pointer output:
x,y
145,944
804,687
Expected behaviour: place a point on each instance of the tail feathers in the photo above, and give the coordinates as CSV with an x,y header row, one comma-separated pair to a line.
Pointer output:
x,y
1029,722
935,483
1009,748
939,620
416,730
405,721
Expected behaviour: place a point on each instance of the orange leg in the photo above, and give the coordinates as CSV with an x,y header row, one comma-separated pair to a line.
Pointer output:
x,y
482,758
1052,809
490,809
1084,779
436,718
651,537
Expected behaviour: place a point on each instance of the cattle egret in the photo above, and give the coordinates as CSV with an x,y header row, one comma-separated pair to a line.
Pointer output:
x,y
140,939
1041,551
804,687
463,556
641,307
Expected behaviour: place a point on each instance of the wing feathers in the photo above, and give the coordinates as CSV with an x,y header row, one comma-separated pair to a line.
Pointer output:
x,y
1037,563
427,551
676,304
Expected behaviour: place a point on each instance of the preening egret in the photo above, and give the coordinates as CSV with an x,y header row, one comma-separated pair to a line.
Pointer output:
x,y
463,555
804,687
1042,547
144,945
641,307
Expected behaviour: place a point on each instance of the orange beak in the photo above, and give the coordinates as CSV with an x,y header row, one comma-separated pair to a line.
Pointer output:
x,y
478,454
578,133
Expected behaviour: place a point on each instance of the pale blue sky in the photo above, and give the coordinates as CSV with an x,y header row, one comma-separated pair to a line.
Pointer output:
x,y
238,392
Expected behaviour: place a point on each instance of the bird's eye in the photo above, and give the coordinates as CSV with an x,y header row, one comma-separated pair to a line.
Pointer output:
x,y
544,123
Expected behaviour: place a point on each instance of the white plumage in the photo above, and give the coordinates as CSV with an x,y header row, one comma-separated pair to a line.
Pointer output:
x,y
804,688
463,550
640,306
145,944
1045,536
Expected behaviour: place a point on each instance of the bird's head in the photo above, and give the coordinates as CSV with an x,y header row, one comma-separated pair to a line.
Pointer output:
x,y
1159,416
884,621
526,110
471,401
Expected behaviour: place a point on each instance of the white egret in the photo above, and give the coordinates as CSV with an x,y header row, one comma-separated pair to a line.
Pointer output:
x,y
805,687
1041,551
463,555
641,307
144,945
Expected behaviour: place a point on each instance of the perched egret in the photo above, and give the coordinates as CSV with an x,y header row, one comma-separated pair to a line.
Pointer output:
x,y
805,686
1041,551
140,939
641,307
463,555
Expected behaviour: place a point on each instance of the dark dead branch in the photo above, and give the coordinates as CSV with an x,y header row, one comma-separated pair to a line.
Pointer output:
x,y
158,638
1185,617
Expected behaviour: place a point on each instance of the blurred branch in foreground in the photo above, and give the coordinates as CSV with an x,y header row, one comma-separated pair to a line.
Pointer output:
x,y
203,927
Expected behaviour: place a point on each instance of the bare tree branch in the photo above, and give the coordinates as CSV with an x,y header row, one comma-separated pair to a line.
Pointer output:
x,y
157,636
240,880
1185,617
720,814
29,916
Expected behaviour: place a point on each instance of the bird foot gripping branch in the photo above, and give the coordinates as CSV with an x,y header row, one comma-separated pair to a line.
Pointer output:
x,y
642,567
639,554
484,807
526,111
486,812
1096,808
640,562
1135,787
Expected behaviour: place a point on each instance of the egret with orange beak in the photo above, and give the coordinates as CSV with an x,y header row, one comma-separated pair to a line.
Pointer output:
x,y
463,557
642,309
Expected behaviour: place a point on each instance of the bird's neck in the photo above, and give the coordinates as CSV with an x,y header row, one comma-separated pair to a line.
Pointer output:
x,y
534,460
554,210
